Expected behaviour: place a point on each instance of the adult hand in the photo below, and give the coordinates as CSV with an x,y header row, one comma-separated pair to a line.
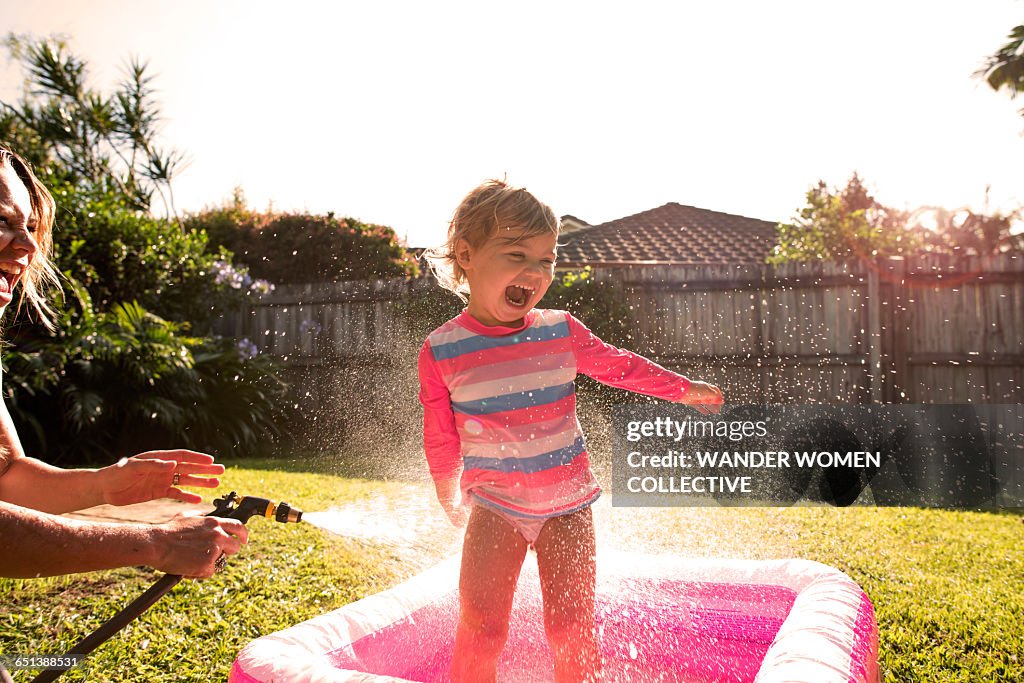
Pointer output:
x,y
158,474
191,545
706,398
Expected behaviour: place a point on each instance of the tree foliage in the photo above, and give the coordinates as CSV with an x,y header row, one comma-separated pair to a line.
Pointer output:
x,y
849,224
119,254
106,142
1004,70
842,225
294,248
598,304
966,233
99,157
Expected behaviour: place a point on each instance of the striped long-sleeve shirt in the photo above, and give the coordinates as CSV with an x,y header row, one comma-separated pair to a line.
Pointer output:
x,y
500,403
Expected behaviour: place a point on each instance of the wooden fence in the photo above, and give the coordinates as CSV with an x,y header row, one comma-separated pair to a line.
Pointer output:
x,y
327,323
927,330
918,331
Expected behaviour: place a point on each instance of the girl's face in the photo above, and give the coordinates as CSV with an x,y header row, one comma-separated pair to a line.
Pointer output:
x,y
508,274
17,226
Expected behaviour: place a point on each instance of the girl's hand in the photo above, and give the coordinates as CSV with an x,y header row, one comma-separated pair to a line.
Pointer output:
x,y
157,474
458,514
706,398
447,492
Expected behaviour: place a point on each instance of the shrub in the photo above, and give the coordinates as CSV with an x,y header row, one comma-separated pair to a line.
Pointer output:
x,y
111,384
599,305
119,254
293,248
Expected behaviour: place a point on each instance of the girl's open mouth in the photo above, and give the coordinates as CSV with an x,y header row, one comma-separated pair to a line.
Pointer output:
x,y
518,296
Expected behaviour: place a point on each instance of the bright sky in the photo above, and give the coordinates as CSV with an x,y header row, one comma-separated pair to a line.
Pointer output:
x,y
391,111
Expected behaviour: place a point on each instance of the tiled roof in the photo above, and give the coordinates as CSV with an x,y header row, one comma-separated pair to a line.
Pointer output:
x,y
672,233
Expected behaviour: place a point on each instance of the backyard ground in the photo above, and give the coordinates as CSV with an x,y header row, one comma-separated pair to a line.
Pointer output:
x,y
948,587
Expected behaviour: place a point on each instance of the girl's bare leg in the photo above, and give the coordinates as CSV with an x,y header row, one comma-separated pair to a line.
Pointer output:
x,y
492,555
566,558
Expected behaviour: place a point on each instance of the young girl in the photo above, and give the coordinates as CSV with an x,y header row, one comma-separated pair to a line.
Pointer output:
x,y
497,387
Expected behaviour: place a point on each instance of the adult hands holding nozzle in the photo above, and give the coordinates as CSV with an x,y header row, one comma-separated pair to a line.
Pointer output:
x,y
228,512
228,518
33,494
188,545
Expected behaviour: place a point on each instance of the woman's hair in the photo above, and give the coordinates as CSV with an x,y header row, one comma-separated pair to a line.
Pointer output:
x,y
41,272
485,210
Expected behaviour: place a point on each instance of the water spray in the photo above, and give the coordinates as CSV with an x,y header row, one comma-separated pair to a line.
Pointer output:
x,y
230,506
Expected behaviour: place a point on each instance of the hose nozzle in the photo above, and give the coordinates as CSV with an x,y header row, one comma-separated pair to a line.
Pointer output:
x,y
286,513
247,507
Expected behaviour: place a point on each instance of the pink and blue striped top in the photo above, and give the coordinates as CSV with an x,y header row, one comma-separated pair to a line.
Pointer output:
x,y
500,403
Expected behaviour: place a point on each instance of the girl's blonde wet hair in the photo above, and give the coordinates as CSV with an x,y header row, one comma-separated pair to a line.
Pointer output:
x,y
41,273
488,208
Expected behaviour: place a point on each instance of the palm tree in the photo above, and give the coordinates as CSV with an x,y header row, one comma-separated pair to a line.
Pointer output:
x,y
1005,69
96,139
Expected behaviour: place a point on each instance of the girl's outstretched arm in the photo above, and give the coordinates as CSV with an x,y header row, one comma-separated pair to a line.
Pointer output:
x,y
627,370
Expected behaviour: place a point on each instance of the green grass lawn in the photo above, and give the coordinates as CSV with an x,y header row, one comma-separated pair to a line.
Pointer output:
x,y
947,586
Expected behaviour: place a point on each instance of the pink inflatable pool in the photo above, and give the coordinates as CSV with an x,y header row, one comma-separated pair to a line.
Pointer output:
x,y
660,619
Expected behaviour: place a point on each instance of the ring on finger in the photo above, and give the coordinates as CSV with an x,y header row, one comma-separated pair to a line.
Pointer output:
x,y
176,479
220,563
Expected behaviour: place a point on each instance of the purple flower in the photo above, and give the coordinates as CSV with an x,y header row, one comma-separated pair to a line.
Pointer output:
x,y
226,274
260,287
247,350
